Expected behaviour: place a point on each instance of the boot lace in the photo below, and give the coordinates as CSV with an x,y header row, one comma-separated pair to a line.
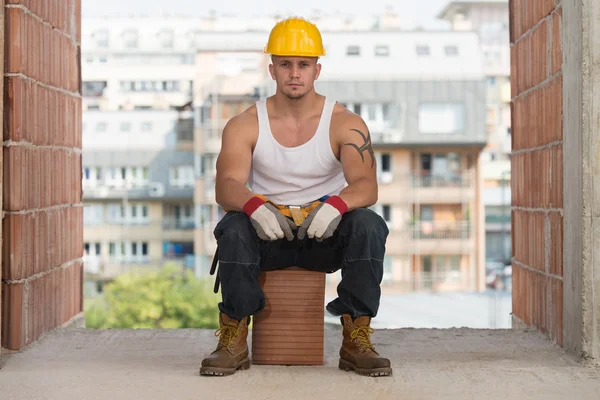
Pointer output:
x,y
227,335
362,336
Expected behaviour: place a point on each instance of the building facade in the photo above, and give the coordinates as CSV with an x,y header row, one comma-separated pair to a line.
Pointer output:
x,y
138,188
490,20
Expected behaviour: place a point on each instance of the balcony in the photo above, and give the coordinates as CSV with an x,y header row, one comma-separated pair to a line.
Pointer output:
x,y
141,191
431,237
433,189
397,189
179,223
178,228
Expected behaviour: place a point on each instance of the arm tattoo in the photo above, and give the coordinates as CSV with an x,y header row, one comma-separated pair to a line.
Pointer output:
x,y
366,146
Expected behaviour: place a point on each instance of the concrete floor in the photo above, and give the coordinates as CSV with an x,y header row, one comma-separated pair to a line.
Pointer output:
x,y
428,364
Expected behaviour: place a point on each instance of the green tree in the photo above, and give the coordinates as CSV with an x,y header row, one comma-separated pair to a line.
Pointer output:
x,y
167,298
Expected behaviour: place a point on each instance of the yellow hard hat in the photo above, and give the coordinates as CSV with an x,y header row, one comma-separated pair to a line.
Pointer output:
x,y
295,37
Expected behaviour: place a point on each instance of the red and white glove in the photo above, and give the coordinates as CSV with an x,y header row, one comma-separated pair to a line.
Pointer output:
x,y
269,222
322,222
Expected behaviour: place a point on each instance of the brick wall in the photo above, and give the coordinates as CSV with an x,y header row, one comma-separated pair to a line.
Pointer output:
x,y
537,164
42,224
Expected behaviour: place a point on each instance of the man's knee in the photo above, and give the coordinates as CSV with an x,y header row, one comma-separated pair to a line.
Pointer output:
x,y
363,222
234,224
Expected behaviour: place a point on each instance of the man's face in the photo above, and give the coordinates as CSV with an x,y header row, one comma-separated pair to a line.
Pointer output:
x,y
295,76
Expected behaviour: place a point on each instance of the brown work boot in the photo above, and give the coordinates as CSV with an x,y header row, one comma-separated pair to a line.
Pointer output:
x,y
232,351
357,352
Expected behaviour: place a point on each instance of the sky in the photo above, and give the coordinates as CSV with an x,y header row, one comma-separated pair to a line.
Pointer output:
x,y
419,12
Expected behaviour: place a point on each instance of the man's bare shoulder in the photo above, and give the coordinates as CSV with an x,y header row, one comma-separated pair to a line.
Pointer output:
x,y
244,124
344,122
244,120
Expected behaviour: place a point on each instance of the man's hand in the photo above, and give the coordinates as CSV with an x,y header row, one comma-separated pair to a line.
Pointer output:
x,y
323,220
270,224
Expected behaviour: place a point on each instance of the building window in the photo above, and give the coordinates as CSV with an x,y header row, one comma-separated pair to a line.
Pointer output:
x,y
101,37
388,276
146,126
93,88
451,51
422,50
441,118
199,165
353,51
182,176
166,38
385,111
386,213
130,37
386,162
125,126
371,112
93,214
101,126
382,51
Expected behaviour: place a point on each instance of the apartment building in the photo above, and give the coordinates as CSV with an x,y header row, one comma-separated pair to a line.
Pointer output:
x,y
137,63
138,160
490,20
422,94
138,191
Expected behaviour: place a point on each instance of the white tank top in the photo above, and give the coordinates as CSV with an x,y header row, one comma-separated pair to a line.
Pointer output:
x,y
295,175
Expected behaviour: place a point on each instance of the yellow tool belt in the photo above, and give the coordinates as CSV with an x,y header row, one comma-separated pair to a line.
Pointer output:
x,y
297,213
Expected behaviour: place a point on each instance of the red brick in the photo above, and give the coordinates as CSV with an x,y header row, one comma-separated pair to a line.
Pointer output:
x,y
46,171
528,228
557,310
13,49
12,190
530,297
557,177
29,239
514,71
13,313
539,47
556,42
531,179
553,111
24,54
556,243
55,12
78,20
513,14
54,299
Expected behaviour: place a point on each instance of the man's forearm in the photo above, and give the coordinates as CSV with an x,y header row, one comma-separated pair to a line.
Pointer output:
x,y
231,194
361,193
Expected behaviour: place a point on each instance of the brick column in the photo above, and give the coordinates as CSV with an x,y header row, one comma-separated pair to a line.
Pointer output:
x,y
42,225
537,164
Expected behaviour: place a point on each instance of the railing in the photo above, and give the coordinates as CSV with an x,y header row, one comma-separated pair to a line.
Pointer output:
x,y
436,230
433,181
498,219
179,223
429,280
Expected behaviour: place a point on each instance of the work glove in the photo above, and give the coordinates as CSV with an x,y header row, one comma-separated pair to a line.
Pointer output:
x,y
269,222
322,222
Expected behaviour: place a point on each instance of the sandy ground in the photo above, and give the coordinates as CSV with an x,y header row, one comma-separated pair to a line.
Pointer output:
x,y
428,364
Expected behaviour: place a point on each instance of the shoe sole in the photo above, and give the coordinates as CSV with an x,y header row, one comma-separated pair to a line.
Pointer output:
x,y
374,372
216,371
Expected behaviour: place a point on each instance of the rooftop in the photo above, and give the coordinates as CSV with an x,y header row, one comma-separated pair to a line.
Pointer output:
x,y
163,364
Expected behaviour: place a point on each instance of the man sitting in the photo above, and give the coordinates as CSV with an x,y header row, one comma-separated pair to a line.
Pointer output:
x,y
310,167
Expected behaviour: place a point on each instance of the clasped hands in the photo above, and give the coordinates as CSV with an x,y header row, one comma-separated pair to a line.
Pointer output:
x,y
271,224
